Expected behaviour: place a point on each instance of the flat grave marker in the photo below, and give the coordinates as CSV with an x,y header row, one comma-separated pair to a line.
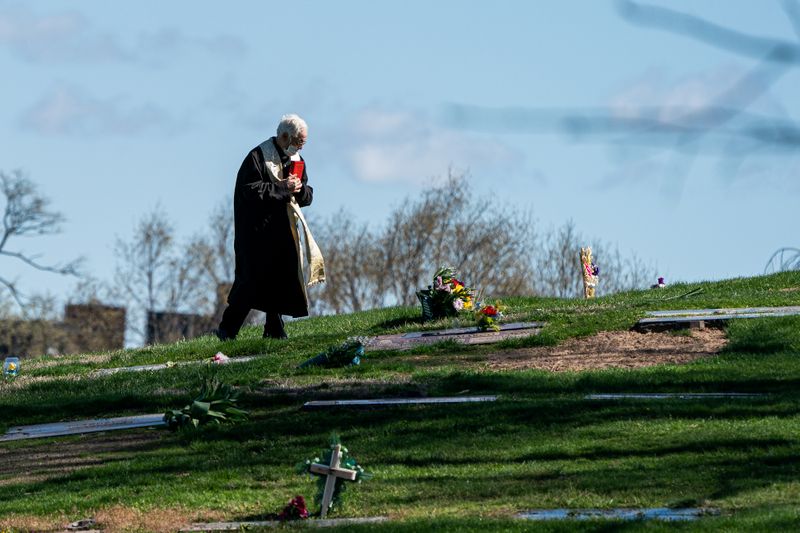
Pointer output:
x,y
699,317
673,395
467,335
78,427
313,522
162,366
727,311
656,513
392,402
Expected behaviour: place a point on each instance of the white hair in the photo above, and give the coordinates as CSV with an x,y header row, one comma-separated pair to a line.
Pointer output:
x,y
292,125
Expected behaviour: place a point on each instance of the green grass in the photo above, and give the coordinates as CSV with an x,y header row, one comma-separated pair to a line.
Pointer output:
x,y
442,468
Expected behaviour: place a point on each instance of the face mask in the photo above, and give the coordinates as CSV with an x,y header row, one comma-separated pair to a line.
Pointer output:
x,y
291,150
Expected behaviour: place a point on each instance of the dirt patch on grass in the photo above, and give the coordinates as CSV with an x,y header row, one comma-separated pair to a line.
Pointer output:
x,y
42,462
120,518
613,349
37,463
116,518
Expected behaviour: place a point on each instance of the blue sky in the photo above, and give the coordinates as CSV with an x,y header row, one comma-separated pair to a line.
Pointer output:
x,y
114,107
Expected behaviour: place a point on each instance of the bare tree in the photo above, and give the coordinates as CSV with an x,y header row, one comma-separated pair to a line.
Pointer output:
x,y
154,274
623,272
214,250
558,266
447,224
498,251
352,261
26,214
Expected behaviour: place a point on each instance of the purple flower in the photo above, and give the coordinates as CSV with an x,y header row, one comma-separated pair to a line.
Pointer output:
x,y
458,305
595,270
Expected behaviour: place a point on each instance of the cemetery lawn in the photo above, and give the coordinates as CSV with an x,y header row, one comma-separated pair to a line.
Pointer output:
x,y
467,467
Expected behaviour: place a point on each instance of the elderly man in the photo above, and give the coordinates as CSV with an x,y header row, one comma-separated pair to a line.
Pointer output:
x,y
271,186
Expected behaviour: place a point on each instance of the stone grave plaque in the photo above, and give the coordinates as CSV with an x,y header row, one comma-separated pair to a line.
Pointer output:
x,y
661,320
657,513
78,427
673,395
727,311
162,366
313,522
467,335
392,402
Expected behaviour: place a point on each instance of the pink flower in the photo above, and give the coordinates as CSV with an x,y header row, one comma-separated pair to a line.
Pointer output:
x,y
220,358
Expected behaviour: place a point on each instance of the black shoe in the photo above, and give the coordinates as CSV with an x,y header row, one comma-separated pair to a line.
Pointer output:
x,y
273,327
276,335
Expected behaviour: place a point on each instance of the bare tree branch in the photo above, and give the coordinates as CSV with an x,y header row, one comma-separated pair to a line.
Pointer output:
x,y
26,213
12,288
792,9
72,268
776,50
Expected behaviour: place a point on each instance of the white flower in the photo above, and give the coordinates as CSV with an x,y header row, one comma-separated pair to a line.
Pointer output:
x,y
458,304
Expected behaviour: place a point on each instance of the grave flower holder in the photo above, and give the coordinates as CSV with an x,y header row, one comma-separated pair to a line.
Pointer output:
x,y
11,366
446,296
431,309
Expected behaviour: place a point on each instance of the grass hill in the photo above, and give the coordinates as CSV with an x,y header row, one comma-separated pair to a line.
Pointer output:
x,y
454,468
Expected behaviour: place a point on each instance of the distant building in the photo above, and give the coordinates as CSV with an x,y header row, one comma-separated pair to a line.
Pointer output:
x,y
91,327
96,328
164,327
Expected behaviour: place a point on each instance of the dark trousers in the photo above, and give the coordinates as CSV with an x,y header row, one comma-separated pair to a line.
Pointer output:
x,y
233,318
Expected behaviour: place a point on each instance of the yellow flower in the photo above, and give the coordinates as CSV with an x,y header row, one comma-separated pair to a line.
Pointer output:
x,y
12,366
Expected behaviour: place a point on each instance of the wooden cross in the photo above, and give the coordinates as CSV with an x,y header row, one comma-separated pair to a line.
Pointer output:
x,y
332,471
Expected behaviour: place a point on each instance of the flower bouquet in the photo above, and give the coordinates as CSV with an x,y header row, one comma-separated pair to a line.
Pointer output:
x,y
487,316
446,296
348,353
294,510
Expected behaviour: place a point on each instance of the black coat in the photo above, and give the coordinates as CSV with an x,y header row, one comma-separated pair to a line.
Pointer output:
x,y
266,254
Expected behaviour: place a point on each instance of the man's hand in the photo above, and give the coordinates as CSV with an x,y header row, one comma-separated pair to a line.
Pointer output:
x,y
294,184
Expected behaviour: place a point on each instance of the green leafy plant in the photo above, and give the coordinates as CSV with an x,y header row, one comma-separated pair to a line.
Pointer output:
x,y
215,404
